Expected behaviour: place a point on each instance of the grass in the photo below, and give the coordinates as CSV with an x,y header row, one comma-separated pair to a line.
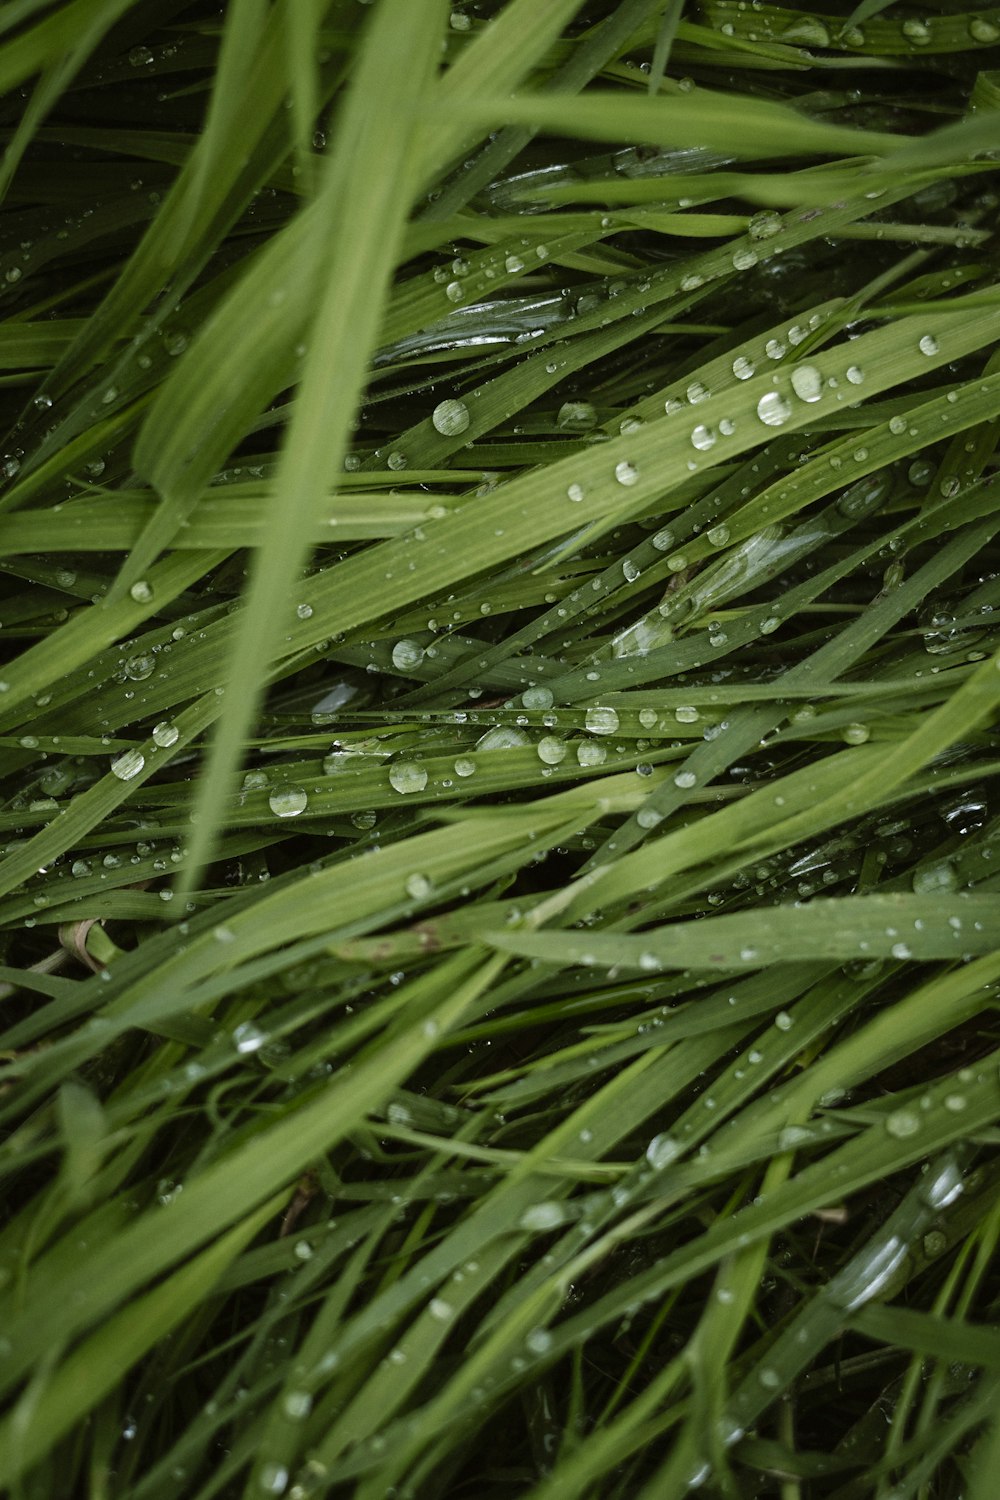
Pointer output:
x,y
499,888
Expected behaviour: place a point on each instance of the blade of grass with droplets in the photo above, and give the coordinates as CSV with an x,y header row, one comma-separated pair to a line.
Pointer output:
x,y
363,212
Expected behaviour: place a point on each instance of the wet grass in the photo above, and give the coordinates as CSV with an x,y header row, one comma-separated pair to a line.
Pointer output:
x,y
499,882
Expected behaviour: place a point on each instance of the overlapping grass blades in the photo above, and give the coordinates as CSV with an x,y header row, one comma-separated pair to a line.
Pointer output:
x,y
499,719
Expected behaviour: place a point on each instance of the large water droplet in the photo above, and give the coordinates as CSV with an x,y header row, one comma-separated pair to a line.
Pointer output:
x,y
450,417
807,382
139,667
773,409
916,32
579,415
601,720
288,801
928,344
406,776
406,655
165,734
503,737
128,764
552,750
626,473
662,1150
902,1123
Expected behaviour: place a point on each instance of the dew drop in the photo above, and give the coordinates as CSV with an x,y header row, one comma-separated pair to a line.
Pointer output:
x,y
288,801
928,344
406,776
165,734
590,753
626,473
916,32
128,764
807,382
662,1150
552,750
773,409
902,1123
450,417
601,720
406,655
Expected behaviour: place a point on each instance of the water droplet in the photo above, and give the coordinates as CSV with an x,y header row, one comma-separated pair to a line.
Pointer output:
x,y
745,259
856,734
897,425
928,344
128,764
601,720
579,415
855,374
165,734
248,1037
454,291
574,492
513,264
272,1479
418,886
464,766
773,409
537,697
774,349
916,32
630,570
807,382
406,776
718,535
406,655
552,750
743,368
297,1404
503,737
764,225
542,1216
982,30
703,437
590,753
626,473
539,1341
662,1150
141,592
902,1123
685,780
288,801
935,880
450,417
